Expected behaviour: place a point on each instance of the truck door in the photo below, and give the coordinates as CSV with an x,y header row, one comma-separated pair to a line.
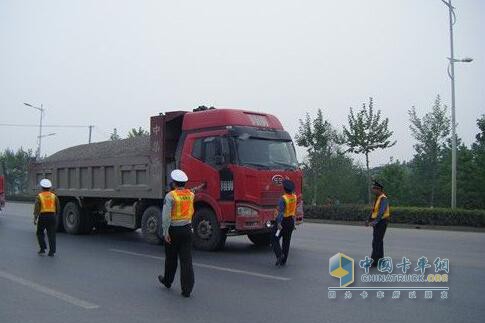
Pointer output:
x,y
204,157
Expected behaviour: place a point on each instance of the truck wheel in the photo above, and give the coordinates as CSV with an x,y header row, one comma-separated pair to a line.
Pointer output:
x,y
261,239
207,233
75,220
149,225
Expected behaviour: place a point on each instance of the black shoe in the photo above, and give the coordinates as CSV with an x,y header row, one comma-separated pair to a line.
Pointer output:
x,y
283,260
186,295
162,281
51,254
279,261
41,252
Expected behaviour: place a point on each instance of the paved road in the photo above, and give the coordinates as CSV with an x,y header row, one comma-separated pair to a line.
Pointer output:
x,y
111,277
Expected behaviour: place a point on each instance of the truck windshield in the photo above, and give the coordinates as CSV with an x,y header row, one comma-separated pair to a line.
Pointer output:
x,y
264,153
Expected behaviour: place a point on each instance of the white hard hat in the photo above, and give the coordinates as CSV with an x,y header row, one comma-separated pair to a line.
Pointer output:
x,y
45,183
179,176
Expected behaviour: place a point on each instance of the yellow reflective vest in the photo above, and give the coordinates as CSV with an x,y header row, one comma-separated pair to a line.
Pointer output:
x,y
183,205
290,205
47,202
377,206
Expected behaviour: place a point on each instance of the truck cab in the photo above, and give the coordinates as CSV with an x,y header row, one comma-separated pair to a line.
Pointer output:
x,y
243,158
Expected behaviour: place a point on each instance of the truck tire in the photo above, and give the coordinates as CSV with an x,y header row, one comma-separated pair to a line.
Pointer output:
x,y
75,220
150,225
260,239
207,233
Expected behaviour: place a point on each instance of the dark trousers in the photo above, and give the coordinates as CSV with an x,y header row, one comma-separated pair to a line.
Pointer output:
x,y
378,241
47,223
180,248
288,225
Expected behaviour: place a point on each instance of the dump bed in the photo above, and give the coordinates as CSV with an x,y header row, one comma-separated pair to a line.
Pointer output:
x,y
127,168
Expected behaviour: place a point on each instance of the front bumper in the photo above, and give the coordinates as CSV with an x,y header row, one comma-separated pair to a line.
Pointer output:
x,y
262,219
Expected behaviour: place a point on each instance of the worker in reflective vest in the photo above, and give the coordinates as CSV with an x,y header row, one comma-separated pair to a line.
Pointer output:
x,y
46,209
285,223
177,212
378,219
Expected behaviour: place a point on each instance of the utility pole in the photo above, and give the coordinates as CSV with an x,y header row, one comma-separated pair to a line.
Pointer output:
x,y
40,130
453,118
39,143
90,132
451,74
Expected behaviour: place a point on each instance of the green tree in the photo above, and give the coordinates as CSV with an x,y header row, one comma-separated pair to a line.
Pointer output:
x,y
343,180
366,132
430,132
329,173
15,165
137,132
480,136
319,139
114,135
467,194
478,151
395,177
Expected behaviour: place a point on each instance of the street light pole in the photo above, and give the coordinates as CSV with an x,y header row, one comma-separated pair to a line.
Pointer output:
x,y
451,74
39,143
453,114
49,134
40,129
90,132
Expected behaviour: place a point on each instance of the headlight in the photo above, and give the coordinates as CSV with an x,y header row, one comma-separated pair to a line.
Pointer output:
x,y
246,211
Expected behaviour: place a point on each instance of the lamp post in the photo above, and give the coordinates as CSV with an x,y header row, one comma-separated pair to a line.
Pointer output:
x,y
49,134
90,132
451,73
39,137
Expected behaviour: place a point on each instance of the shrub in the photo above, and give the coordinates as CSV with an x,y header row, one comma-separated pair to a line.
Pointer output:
x,y
20,198
407,215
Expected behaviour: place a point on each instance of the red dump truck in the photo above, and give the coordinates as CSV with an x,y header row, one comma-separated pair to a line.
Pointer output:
x,y
241,156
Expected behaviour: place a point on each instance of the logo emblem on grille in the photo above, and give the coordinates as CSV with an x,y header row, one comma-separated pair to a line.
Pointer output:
x,y
277,179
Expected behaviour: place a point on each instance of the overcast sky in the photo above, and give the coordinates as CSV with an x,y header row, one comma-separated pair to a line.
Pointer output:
x,y
116,63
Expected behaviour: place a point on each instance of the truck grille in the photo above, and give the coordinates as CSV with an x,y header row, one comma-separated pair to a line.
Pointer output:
x,y
270,198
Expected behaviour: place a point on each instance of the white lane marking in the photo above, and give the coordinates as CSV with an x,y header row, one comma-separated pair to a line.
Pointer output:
x,y
231,270
48,291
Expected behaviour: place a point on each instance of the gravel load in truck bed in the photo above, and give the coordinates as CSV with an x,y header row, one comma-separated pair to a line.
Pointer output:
x,y
136,146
